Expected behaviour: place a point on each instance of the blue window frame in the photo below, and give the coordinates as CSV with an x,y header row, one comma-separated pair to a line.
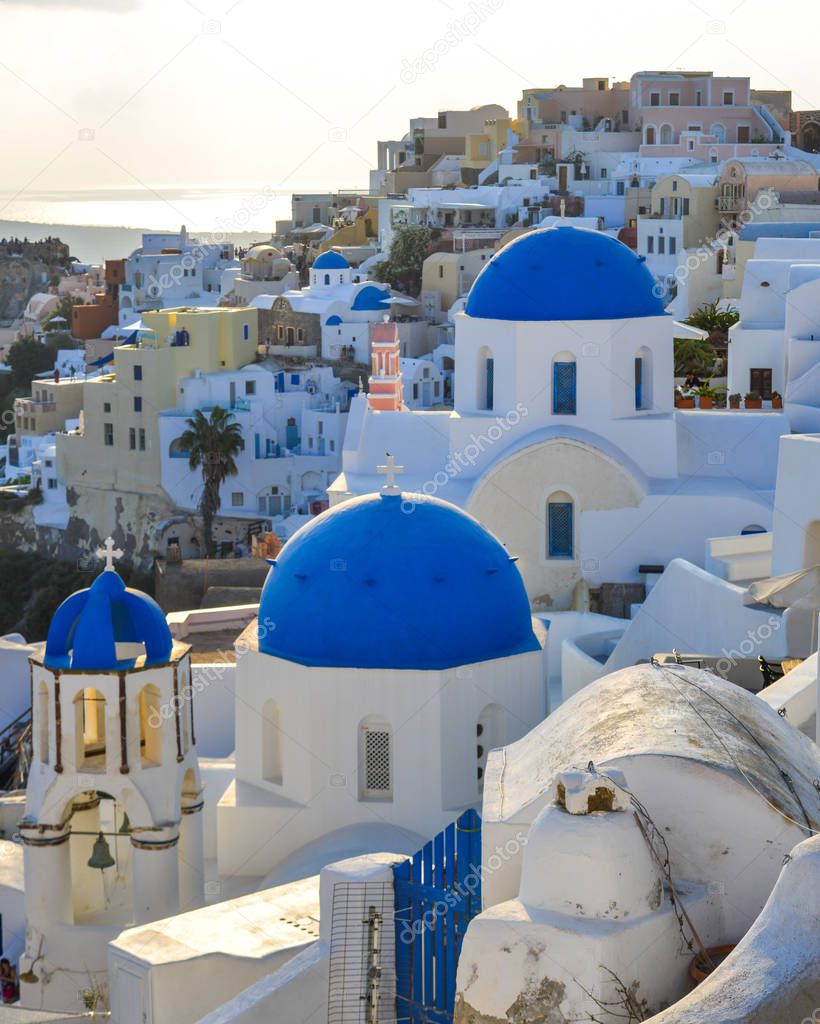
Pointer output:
x,y
638,383
560,529
563,389
137,371
489,372
137,403
246,332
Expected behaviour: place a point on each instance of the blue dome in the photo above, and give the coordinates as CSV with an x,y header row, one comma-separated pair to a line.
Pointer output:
x,y
331,260
394,581
87,627
564,273
371,298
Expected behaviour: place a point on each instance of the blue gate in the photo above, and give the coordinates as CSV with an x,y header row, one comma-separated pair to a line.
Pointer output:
x,y
438,892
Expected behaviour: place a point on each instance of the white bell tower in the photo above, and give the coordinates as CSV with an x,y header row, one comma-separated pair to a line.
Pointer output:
x,y
113,823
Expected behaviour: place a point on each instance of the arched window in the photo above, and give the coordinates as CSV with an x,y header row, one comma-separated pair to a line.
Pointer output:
x,y
643,378
89,730
719,132
150,710
564,384
666,134
560,526
375,759
486,378
176,449
42,723
649,135
271,742
490,732
327,279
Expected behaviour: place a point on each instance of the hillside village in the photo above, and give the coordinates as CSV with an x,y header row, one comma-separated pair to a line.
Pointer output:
x,y
468,668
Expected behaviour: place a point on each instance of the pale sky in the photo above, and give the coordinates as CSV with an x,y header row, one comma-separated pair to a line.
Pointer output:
x,y
110,94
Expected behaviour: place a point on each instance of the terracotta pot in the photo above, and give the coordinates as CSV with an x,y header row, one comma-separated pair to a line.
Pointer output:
x,y
753,403
685,403
706,402
777,403
734,404
699,972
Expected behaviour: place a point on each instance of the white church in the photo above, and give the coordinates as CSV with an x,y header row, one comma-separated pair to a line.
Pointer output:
x,y
564,440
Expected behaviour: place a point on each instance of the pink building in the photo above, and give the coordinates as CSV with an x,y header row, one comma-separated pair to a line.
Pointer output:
x,y
698,115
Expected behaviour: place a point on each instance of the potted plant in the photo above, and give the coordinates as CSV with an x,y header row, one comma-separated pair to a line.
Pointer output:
x,y
719,399
705,962
753,400
734,400
706,394
777,400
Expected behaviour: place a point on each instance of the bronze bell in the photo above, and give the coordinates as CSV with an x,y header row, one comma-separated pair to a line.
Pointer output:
x,y
101,855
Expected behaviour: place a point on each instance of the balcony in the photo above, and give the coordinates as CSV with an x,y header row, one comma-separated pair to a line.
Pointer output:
x,y
30,407
728,204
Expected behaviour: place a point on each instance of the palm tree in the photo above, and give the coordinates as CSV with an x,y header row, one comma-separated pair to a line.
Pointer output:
x,y
212,443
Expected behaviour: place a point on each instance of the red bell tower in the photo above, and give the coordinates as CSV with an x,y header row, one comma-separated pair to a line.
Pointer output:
x,y
385,386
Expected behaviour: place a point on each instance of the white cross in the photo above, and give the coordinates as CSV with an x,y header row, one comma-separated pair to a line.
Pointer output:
x,y
391,471
109,553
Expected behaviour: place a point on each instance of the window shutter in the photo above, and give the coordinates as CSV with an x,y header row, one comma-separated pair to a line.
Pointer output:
x,y
563,389
560,529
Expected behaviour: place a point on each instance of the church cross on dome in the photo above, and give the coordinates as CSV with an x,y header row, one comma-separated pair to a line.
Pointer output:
x,y
390,471
109,553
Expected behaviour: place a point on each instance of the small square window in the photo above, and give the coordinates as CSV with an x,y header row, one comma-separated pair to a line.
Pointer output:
x,y
106,407
237,499
52,484
250,387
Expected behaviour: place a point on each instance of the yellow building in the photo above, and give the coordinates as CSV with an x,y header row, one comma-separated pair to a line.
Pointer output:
x,y
117,446
50,405
481,149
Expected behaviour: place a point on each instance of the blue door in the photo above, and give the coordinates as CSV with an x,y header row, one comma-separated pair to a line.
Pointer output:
x,y
437,894
563,389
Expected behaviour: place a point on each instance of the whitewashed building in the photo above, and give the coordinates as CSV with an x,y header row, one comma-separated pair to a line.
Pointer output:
x,y
563,439
292,422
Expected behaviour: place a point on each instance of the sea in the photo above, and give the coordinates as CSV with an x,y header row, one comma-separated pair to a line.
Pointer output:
x,y
99,225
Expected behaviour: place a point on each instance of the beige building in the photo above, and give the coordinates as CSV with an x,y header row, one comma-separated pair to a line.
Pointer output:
x,y
117,445
446,276
50,405
689,198
742,181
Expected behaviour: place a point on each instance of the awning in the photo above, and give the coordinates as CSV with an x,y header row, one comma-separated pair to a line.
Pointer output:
x,y
103,360
689,332
792,589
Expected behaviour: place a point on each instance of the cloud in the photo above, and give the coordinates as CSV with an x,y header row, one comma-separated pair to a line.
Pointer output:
x,y
108,6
